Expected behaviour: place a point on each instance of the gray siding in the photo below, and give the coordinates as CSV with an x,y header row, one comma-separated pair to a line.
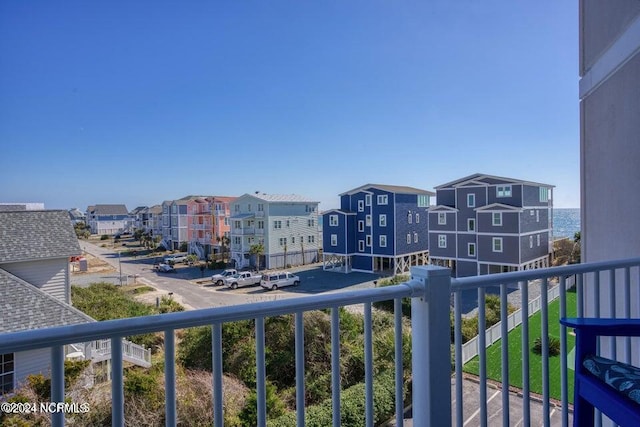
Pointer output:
x,y
49,276
466,268
31,362
510,250
448,252
534,219
509,222
463,245
449,226
446,197
537,251
514,200
531,196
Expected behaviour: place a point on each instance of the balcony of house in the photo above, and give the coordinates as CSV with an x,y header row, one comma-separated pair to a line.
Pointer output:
x,y
506,375
243,231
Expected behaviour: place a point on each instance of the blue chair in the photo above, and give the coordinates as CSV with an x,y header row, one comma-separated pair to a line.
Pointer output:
x,y
615,396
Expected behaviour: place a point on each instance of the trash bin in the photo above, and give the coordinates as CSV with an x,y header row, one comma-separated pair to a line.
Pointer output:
x,y
82,262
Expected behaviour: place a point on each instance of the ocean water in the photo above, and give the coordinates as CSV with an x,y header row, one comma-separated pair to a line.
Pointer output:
x,y
566,222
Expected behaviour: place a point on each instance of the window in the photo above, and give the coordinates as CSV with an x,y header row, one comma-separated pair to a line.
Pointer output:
x,y
226,220
368,220
442,218
531,212
367,199
288,223
537,215
283,241
471,224
260,207
415,237
409,217
311,239
333,220
417,218
544,194
538,239
249,207
530,242
442,240
237,224
237,240
361,226
496,219
382,220
6,373
311,222
236,208
361,245
368,240
277,224
360,205
423,201
503,191
334,240
383,199
471,200
383,241
497,244
293,240
471,249
261,225
408,238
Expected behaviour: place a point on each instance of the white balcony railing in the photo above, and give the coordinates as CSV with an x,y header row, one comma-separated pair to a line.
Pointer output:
x,y
430,290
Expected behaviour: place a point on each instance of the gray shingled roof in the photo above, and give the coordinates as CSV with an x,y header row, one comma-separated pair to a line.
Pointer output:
x,y
31,235
282,198
9,208
24,307
397,189
110,210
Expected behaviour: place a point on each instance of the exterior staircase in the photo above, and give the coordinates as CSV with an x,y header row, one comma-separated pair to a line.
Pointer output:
x,y
100,350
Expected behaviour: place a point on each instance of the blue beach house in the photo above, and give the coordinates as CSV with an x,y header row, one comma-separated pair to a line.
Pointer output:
x,y
485,224
378,228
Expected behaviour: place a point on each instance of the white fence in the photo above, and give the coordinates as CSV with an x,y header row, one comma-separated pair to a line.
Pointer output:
x,y
493,334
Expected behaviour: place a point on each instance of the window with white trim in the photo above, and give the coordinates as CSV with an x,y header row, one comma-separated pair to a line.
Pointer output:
x,y
360,245
237,240
544,194
226,220
236,208
260,207
503,191
471,224
442,240
408,238
415,237
409,218
333,220
283,241
530,242
442,218
293,240
496,219
260,225
382,220
471,249
367,220
423,201
383,199
311,222
538,239
249,207
237,224
288,223
334,240
7,372
360,205
471,200
277,224
496,244
537,215
383,241
361,226
367,199
368,240
531,212
417,218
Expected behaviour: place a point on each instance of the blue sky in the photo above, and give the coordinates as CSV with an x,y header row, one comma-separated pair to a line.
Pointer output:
x,y
140,102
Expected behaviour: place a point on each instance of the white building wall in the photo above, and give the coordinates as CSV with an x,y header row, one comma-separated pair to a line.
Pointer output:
x,y
30,363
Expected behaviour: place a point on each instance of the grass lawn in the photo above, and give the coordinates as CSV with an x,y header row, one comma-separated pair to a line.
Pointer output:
x,y
494,353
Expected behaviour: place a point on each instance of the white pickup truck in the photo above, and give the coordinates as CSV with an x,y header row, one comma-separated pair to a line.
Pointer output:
x,y
218,279
245,278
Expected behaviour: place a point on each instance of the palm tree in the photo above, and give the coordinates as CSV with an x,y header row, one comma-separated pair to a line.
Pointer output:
x,y
257,250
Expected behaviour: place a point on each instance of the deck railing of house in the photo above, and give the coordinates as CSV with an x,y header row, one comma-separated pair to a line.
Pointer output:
x,y
431,290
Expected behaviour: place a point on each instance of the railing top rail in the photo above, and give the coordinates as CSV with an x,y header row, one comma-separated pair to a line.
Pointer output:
x,y
62,335
474,282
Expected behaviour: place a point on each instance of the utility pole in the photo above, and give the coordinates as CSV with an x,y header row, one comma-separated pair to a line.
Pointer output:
x,y
120,267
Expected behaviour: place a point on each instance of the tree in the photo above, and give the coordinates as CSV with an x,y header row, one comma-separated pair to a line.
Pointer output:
x,y
257,250
223,241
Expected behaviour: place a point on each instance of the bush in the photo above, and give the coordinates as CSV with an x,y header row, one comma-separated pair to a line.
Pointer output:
x,y
184,246
554,346
275,406
104,237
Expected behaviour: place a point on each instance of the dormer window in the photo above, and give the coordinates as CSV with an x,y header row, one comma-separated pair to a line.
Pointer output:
x,y
503,191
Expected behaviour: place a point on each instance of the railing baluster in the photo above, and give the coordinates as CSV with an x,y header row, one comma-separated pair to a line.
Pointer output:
x,y
504,329
335,365
544,313
564,381
57,383
627,312
299,332
612,310
457,330
170,377
117,383
368,364
580,294
482,353
399,368
526,401
261,387
216,360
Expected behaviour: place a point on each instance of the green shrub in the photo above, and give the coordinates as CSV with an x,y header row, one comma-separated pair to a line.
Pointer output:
x,y
554,346
275,406
104,237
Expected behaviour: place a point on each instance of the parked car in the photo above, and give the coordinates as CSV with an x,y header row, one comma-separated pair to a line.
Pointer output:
x,y
166,268
218,279
245,278
280,279
175,258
